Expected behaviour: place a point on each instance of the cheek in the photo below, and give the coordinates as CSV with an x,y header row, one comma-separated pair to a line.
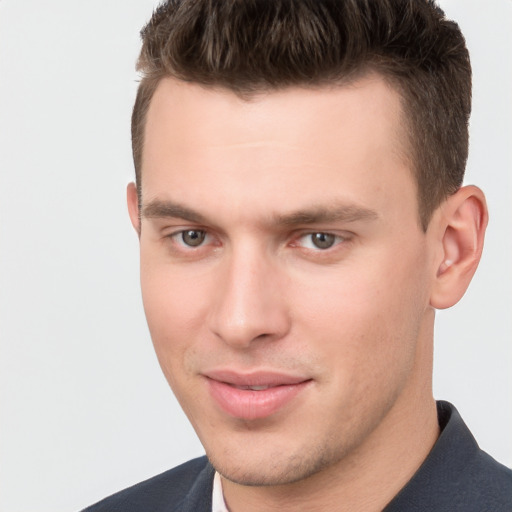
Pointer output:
x,y
173,308
366,317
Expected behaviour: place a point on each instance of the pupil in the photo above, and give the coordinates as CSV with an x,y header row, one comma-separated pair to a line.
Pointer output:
x,y
323,240
193,237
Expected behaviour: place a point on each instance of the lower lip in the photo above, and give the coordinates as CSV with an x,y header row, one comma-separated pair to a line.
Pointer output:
x,y
251,405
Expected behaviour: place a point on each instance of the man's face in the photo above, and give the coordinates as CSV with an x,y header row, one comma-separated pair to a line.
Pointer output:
x,y
284,272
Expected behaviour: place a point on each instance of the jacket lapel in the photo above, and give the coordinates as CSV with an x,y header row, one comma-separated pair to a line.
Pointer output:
x,y
199,497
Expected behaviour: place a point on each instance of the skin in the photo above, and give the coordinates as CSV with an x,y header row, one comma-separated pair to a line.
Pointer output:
x,y
257,178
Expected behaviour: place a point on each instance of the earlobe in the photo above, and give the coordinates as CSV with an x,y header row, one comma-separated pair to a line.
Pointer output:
x,y
133,206
463,221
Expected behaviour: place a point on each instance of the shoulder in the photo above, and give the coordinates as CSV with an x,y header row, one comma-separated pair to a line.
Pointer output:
x,y
166,491
488,482
457,475
482,484
481,481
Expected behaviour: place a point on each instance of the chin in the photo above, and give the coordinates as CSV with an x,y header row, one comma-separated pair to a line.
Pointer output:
x,y
272,470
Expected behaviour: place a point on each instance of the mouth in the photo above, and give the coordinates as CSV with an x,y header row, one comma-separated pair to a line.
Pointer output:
x,y
256,395
252,388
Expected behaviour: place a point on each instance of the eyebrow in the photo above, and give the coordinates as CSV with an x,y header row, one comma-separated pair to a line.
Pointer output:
x,y
322,214
316,215
168,209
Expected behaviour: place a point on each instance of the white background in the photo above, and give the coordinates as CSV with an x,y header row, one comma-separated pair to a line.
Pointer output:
x,y
84,408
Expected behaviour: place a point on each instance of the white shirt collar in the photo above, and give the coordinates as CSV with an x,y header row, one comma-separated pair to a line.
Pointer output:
x,y
218,503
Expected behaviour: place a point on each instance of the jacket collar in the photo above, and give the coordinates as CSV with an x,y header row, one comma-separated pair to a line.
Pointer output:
x,y
199,497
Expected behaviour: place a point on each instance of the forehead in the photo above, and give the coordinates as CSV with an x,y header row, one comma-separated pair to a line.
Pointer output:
x,y
340,142
189,109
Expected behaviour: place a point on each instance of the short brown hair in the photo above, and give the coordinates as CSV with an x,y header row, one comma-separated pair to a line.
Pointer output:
x,y
249,46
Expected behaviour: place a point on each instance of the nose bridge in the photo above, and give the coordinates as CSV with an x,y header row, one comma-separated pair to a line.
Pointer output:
x,y
249,304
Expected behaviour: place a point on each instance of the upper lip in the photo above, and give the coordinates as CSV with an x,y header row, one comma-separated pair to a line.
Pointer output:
x,y
255,378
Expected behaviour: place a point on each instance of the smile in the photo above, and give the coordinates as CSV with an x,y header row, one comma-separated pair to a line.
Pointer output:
x,y
254,396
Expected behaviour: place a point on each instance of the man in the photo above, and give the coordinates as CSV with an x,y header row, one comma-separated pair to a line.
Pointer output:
x,y
299,206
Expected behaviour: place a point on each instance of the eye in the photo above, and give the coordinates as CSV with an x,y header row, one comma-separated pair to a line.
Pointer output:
x,y
192,237
320,240
191,243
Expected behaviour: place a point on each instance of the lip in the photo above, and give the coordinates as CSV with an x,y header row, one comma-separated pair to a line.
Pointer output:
x,y
233,394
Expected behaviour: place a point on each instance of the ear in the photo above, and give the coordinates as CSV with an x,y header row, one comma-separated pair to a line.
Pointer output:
x,y
132,199
462,222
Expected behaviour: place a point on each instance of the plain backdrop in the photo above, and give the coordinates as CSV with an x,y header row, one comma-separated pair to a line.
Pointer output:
x,y
85,410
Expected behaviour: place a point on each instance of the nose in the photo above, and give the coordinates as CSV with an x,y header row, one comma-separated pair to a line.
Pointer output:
x,y
250,302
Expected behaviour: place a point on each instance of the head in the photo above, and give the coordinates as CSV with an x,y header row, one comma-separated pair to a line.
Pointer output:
x,y
300,217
